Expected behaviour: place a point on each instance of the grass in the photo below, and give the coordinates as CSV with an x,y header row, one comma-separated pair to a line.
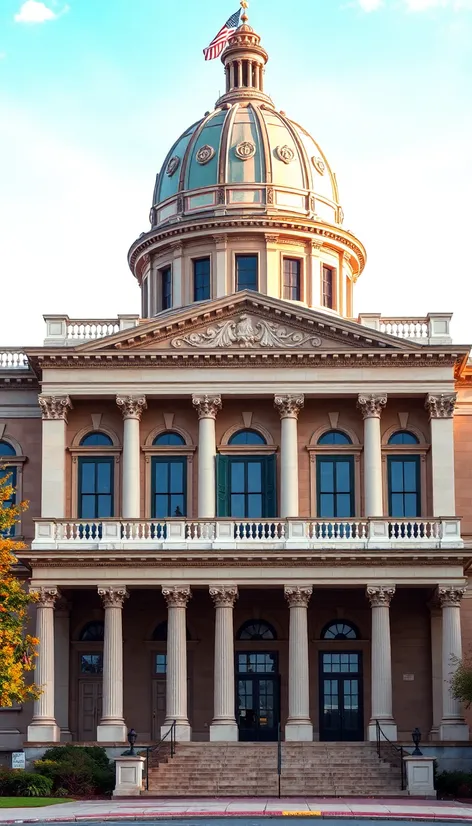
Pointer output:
x,y
29,802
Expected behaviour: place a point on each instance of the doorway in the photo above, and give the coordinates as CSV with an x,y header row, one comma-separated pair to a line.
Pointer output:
x,y
341,696
90,709
257,696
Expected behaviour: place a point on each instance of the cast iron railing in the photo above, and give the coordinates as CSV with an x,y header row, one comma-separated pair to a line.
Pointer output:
x,y
279,759
169,737
393,753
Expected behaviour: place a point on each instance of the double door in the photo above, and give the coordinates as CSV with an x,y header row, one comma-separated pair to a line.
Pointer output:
x,y
257,696
341,697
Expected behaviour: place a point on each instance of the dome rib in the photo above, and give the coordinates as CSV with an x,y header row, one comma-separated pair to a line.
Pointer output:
x,y
196,133
225,141
264,136
307,176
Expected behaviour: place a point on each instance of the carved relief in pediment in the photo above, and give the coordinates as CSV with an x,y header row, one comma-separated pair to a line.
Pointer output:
x,y
246,331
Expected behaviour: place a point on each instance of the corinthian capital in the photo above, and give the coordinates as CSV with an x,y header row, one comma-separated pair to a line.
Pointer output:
x,y
380,596
298,596
54,407
289,406
450,597
207,407
371,406
177,596
45,596
442,406
131,406
224,596
113,596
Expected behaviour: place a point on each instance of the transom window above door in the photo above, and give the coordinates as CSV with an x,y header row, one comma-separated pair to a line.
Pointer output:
x,y
255,663
339,630
247,437
93,631
256,630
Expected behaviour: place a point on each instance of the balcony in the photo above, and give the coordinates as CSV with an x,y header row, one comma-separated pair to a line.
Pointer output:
x,y
227,534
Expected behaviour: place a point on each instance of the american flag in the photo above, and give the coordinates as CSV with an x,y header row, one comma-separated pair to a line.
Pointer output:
x,y
220,40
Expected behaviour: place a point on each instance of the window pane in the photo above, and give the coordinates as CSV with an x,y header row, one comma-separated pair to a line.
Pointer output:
x,y
201,279
246,272
177,505
103,477
326,476
409,475
343,505
91,663
291,285
396,476
87,470
334,437
247,437
96,439
166,288
237,506
237,477
254,506
169,439
326,506
161,477
176,477
161,503
161,663
343,480
254,477
397,505
104,506
403,437
87,510
411,504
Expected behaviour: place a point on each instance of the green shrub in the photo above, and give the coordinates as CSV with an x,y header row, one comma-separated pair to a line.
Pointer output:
x,y
20,783
81,771
454,784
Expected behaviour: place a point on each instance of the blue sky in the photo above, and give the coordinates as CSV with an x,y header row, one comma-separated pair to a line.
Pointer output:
x,y
93,93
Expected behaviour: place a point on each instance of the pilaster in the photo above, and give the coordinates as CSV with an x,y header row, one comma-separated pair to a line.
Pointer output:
x,y
54,410
224,727
441,413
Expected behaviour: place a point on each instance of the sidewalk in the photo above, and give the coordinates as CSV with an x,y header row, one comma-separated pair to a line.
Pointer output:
x,y
148,809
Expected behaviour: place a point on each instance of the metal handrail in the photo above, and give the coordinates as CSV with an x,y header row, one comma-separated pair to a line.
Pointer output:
x,y
149,749
279,758
399,750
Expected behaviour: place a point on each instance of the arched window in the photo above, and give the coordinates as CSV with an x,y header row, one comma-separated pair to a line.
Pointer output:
x,y
160,632
247,437
168,438
256,630
93,631
340,630
6,450
403,437
96,439
10,474
334,437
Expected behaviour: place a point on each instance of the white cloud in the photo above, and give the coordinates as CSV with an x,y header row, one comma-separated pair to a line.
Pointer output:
x,y
35,11
370,5
3,55
415,6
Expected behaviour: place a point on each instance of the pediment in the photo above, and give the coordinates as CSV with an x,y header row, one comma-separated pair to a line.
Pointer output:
x,y
246,322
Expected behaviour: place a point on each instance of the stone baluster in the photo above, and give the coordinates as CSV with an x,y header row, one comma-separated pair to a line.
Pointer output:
x,y
380,597
453,725
132,408
289,408
207,408
441,413
43,727
177,597
299,725
54,411
224,726
371,407
112,725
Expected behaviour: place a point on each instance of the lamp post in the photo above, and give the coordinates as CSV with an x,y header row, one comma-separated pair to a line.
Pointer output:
x,y
416,737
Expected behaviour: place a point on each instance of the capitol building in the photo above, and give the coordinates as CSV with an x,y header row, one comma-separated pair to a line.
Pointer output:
x,y
250,511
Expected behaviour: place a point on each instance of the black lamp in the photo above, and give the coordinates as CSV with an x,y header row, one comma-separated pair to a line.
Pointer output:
x,y
132,740
416,737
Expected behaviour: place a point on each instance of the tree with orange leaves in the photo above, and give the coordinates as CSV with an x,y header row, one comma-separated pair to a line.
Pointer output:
x,y
17,649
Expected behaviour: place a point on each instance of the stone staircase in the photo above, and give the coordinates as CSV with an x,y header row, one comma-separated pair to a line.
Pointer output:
x,y
250,770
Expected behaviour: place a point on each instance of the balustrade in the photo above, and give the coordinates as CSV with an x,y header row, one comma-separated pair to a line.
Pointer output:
x,y
11,359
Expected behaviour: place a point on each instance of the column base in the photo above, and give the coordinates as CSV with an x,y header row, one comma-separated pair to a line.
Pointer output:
x,y
454,730
66,735
389,728
43,733
299,732
183,732
112,733
224,733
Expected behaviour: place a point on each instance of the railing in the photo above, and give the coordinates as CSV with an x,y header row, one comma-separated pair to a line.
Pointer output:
x,y
169,737
225,534
80,329
13,359
432,329
279,760
62,331
390,751
405,327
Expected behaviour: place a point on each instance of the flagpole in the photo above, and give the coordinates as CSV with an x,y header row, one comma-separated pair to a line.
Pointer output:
x,y
244,5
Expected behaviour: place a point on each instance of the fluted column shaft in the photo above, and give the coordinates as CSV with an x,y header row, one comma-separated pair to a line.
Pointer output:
x,y
62,667
223,727
289,408
43,726
453,726
131,408
207,408
299,726
177,598
371,408
112,725
381,701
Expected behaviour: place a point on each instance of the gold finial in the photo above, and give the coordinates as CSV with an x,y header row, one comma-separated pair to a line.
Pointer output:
x,y
244,6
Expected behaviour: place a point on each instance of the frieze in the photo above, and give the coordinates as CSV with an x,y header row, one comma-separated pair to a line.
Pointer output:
x,y
247,332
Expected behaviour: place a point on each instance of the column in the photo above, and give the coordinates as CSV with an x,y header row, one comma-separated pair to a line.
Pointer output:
x,y
314,268
43,727
177,275
299,726
371,407
111,728
131,408
289,408
380,597
240,73
224,727
61,667
453,725
436,666
53,474
177,597
220,287
207,408
441,413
